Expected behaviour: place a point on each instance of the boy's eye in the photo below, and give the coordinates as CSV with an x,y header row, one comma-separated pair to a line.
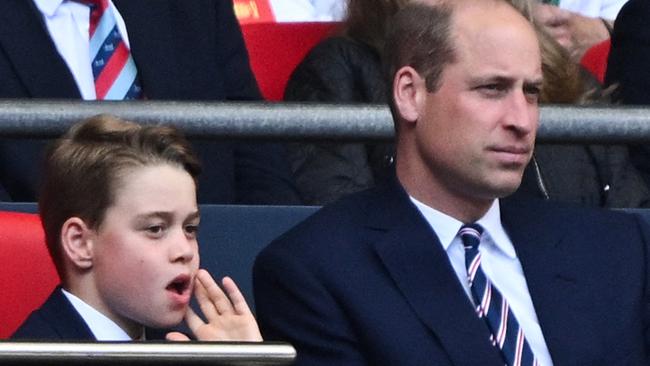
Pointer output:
x,y
191,229
155,229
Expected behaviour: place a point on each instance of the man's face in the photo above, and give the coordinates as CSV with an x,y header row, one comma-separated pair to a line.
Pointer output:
x,y
476,132
145,250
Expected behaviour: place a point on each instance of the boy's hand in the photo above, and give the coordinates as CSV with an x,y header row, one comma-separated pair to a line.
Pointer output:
x,y
228,316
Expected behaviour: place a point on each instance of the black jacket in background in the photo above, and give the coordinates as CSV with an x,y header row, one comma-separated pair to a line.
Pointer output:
x,y
628,67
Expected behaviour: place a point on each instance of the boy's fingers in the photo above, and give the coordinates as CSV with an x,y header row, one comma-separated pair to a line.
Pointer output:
x,y
194,322
177,337
236,297
205,303
214,293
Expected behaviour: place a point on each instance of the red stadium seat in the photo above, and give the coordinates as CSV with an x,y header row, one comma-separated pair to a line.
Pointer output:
x,y
28,274
595,59
275,49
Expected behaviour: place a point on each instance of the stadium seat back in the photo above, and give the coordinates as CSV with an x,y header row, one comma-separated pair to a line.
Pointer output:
x,y
28,274
275,49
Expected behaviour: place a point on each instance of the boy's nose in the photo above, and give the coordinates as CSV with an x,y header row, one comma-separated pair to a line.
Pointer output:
x,y
183,248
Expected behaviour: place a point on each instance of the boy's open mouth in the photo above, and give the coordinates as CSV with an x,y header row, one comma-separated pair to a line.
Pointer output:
x,y
180,284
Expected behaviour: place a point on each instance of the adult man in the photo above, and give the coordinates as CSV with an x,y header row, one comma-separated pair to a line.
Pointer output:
x,y
381,278
183,50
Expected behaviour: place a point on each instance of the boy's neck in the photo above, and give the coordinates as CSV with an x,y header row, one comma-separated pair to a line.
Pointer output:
x,y
103,326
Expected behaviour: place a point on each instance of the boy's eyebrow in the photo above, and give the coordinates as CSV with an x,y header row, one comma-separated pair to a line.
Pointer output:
x,y
165,215
194,215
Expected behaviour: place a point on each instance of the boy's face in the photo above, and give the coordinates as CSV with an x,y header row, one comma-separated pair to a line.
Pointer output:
x,y
145,250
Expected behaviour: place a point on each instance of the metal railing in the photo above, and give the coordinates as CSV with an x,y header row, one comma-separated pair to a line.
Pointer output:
x,y
300,121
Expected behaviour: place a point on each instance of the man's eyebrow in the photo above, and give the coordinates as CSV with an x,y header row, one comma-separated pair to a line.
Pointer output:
x,y
534,82
499,79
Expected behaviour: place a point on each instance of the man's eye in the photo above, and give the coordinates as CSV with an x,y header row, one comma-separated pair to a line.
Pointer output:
x,y
493,89
532,93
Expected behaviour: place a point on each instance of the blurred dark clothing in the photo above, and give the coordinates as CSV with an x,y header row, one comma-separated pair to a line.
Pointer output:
x,y
586,175
338,70
628,67
343,70
184,50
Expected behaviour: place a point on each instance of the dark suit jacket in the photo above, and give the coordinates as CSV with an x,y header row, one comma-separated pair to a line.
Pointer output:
x,y
55,319
184,50
366,282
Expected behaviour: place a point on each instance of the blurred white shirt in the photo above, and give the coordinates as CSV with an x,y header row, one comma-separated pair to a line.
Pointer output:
x,y
607,9
308,10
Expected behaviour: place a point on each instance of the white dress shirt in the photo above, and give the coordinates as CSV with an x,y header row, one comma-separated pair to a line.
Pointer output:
x,y
68,23
499,263
607,9
307,10
102,327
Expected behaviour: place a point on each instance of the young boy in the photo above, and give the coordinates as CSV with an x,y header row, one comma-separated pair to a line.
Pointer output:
x,y
118,206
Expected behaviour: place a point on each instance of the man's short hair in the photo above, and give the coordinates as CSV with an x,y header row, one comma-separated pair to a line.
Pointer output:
x,y
419,35
83,168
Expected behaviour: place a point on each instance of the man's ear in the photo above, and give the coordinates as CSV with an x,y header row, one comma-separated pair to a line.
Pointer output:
x,y
77,242
409,92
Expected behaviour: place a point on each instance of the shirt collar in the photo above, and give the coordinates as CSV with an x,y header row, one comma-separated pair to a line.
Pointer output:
x,y
48,7
103,328
447,227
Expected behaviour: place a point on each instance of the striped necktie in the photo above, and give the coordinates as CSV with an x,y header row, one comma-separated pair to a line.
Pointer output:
x,y
114,72
506,334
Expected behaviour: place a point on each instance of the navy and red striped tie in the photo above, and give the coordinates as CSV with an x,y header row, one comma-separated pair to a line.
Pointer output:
x,y
506,334
114,71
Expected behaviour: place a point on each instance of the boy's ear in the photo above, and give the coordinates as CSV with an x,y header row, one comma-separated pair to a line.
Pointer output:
x,y
409,93
76,239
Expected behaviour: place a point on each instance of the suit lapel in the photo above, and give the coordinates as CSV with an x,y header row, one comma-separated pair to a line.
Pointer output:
x,y
544,250
414,259
64,318
27,44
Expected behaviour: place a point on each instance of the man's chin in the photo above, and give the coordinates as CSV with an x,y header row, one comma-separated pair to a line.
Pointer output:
x,y
505,188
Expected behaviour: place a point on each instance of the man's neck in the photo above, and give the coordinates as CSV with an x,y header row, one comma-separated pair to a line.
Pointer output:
x,y
464,208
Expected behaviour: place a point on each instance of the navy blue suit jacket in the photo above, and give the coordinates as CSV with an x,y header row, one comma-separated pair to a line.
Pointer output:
x,y
57,319
184,50
365,281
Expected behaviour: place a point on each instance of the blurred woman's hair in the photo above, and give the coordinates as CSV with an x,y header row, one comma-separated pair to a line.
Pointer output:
x,y
367,20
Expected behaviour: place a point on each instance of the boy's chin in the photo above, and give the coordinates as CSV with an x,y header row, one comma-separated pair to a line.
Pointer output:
x,y
171,320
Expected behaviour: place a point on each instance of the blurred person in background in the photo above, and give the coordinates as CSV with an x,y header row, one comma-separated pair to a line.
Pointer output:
x,y
628,68
578,24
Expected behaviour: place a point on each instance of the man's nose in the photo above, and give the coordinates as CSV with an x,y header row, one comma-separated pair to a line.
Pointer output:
x,y
521,115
